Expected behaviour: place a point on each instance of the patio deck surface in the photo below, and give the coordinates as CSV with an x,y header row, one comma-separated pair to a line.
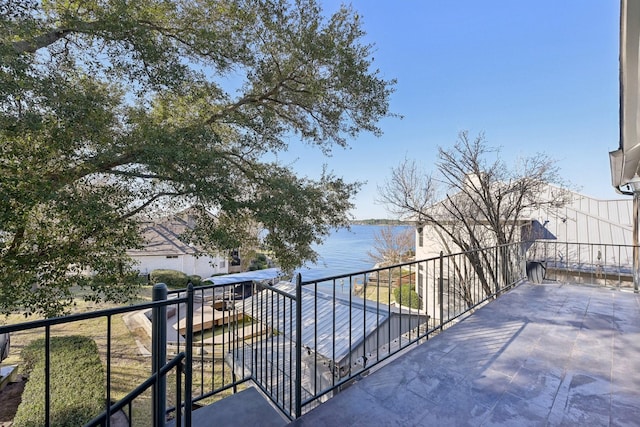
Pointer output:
x,y
548,354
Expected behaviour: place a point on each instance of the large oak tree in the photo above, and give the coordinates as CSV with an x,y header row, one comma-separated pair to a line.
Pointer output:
x,y
112,111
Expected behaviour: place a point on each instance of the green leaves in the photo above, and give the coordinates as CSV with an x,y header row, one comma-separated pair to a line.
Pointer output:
x,y
114,112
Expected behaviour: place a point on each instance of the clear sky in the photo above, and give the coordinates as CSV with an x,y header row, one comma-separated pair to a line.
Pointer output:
x,y
534,76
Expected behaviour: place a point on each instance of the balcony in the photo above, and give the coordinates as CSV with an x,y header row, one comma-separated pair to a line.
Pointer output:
x,y
542,354
481,346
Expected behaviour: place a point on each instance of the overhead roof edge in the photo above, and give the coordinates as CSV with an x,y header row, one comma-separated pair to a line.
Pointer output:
x,y
625,161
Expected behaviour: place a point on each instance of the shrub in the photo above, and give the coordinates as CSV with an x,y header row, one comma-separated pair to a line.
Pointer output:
x,y
407,296
171,278
76,381
195,279
260,262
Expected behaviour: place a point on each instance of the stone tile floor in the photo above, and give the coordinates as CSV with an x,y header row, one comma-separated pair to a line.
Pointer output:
x,y
549,354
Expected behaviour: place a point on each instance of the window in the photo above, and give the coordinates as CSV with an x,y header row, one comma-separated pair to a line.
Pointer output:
x,y
420,238
223,263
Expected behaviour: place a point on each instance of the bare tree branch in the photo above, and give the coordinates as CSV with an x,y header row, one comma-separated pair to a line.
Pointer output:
x,y
486,202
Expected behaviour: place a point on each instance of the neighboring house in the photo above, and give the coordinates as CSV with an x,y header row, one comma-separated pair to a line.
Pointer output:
x,y
165,250
583,219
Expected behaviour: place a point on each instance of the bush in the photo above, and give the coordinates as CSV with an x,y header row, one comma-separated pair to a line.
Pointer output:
x,y
407,296
195,279
172,278
260,262
76,381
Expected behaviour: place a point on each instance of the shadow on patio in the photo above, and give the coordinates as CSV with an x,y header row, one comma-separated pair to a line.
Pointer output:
x,y
542,354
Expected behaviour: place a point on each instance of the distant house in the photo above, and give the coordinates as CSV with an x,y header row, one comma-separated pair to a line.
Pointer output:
x,y
164,249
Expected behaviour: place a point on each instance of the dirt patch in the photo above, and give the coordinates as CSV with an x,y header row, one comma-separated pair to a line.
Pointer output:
x,y
10,398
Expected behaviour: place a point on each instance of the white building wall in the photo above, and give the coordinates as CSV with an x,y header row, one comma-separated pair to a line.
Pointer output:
x,y
203,266
583,220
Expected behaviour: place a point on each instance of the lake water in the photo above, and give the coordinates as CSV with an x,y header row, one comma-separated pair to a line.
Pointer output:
x,y
344,251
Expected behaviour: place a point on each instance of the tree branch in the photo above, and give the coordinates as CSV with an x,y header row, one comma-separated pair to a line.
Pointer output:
x,y
43,40
52,36
148,203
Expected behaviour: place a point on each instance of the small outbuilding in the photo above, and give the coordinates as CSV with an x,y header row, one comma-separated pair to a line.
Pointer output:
x,y
340,333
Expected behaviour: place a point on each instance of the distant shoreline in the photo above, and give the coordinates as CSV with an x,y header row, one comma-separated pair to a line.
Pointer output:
x,y
380,222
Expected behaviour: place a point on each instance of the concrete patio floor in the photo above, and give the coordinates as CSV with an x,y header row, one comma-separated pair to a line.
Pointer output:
x,y
549,354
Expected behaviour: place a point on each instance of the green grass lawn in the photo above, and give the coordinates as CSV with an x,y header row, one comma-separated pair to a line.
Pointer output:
x,y
128,367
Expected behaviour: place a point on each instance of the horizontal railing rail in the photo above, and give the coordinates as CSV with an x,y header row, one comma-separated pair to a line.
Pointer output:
x,y
76,317
596,263
103,319
302,342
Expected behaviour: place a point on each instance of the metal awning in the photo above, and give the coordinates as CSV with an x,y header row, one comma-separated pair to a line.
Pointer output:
x,y
247,276
332,326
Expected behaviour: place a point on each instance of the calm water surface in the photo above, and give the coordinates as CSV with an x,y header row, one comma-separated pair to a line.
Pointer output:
x,y
344,251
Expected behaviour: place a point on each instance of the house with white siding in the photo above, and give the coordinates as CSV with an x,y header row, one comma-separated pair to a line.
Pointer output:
x,y
165,249
583,219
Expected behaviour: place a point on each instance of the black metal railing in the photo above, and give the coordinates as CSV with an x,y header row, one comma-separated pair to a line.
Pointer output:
x,y
605,264
348,324
102,321
302,342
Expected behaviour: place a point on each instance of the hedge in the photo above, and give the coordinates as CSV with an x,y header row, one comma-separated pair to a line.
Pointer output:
x,y
172,278
407,296
76,382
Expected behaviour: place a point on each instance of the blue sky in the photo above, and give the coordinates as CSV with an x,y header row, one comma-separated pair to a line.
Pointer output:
x,y
534,76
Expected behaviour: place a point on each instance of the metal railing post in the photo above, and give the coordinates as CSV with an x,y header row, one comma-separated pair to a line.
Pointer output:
x,y
188,368
47,376
497,276
108,404
505,267
159,354
496,265
523,262
298,382
441,290
636,241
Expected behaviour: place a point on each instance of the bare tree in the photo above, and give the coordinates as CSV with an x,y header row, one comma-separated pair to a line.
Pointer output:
x,y
392,245
473,199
